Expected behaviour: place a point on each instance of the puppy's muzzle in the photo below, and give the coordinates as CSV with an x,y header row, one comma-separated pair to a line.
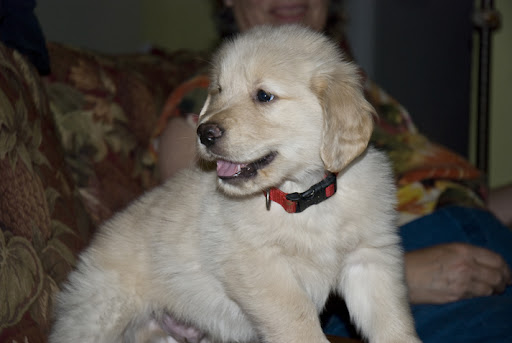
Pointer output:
x,y
209,134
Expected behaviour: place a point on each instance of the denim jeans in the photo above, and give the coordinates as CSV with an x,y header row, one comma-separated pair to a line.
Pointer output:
x,y
485,319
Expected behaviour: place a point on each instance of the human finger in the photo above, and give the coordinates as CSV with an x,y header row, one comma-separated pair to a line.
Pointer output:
x,y
489,259
488,280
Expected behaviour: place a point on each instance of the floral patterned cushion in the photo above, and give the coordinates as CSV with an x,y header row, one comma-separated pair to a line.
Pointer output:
x,y
105,109
43,223
73,150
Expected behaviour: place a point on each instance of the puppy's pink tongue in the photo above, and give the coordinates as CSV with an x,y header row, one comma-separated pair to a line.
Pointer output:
x,y
226,169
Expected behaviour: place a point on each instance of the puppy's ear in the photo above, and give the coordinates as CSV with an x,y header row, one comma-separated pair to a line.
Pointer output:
x,y
348,121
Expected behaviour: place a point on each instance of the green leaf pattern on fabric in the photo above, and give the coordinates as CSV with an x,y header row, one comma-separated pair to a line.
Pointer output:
x,y
36,246
21,278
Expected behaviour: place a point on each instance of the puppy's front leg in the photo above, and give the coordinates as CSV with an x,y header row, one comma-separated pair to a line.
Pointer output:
x,y
373,286
268,292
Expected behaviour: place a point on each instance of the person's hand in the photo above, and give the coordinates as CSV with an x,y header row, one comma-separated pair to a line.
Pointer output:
x,y
455,271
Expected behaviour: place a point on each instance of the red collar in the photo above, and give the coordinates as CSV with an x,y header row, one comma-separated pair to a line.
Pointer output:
x,y
298,202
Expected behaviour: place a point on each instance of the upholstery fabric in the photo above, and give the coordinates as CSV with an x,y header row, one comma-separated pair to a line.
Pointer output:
x,y
105,109
43,222
73,151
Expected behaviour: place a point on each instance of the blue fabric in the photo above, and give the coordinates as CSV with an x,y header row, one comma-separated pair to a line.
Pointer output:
x,y
20,30
485,319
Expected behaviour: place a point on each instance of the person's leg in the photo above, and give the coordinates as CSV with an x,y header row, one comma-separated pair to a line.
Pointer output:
x,y
458,224
484,319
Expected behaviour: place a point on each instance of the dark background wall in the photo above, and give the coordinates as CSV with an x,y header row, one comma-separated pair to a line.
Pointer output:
x,y
420,53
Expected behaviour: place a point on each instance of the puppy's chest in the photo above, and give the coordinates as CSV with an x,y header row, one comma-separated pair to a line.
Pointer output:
x,y
305,244
311,249
309,243
313,253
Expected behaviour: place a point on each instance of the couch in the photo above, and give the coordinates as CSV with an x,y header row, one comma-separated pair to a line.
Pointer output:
x,y
74,149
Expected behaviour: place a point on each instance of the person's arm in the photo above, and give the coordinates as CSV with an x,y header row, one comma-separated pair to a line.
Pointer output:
x,y
177,147
455,271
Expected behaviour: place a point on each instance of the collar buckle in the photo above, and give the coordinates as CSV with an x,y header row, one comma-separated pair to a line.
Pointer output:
x,y
314,195
298,202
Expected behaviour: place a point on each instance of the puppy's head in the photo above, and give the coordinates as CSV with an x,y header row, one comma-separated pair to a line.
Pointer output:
x,y
282,106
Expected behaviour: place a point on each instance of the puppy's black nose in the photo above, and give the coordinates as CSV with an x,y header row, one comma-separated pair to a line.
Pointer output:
x,y
208,133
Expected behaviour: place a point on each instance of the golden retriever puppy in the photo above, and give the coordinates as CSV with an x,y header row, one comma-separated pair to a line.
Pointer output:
x,y
297,207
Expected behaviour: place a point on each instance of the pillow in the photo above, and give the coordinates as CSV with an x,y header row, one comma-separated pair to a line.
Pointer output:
x,y
105,108
43,223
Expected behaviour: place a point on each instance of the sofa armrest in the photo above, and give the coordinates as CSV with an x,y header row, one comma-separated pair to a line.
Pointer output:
x,y
105,108
42,219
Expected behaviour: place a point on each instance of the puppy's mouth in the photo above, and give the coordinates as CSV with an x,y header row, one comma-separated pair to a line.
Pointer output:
x,y
231,171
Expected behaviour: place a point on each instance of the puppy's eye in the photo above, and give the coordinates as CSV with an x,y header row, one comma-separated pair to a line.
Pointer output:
x,y
263,96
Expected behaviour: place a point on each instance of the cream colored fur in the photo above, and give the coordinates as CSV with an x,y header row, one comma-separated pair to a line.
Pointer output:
x,y
209,253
